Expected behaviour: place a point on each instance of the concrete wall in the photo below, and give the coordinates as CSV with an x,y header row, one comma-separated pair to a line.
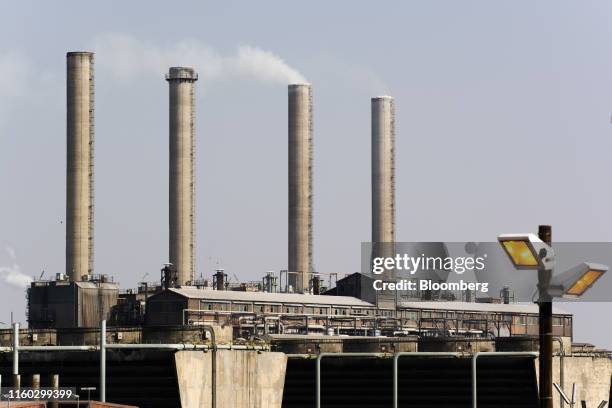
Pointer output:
x,y
379,344
592,375
244,378
530,343
455,344
186,334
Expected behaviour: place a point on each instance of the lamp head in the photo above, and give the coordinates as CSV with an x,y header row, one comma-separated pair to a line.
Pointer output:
x,y
576,281
527,251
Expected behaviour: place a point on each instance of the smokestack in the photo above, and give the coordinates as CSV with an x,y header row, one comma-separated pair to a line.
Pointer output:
x,y
300,186
79,169
383,176
182,172
316,285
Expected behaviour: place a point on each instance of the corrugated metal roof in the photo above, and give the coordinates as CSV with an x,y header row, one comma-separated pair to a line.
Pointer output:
x,y
239,296
479,307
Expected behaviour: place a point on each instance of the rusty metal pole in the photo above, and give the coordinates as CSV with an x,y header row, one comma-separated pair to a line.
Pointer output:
x,y
545,326
35,381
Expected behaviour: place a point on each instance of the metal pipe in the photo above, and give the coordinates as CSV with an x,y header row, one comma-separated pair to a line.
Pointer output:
x,y
493,354
318,370
396,358
177,346
58,348
561,365
301,356
15,348
103,361
186,346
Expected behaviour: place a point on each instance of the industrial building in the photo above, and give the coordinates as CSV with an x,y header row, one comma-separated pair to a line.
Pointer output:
x,y
80,299
71,304
257,313
194,306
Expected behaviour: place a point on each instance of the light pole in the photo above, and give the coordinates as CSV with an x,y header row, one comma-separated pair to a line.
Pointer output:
x,y
545,324
528,251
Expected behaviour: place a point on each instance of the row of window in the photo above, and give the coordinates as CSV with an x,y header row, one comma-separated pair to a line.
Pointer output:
x,y
529,320
533,321
280,308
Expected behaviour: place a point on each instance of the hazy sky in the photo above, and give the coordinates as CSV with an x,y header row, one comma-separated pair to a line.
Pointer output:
x,y
502,110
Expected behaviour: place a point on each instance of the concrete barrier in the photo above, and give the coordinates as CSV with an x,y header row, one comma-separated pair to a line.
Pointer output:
x,y
243,378
592,375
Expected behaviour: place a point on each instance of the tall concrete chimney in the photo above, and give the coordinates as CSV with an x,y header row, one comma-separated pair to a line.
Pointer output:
x,y
182,172
383,187
383,169
300,186
79,168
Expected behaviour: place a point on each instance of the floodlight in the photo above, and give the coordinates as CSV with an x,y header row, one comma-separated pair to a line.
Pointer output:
x,y
576,281
527,251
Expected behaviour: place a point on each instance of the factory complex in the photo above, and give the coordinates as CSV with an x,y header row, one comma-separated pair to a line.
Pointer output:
x,y
188,342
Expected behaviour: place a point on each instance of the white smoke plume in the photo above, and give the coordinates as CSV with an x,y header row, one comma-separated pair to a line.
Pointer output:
x,y
125,57
12,274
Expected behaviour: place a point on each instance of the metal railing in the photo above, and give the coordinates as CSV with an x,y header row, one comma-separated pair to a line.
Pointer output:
x,y
103,346
493,354
320,356
213,346
397,356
